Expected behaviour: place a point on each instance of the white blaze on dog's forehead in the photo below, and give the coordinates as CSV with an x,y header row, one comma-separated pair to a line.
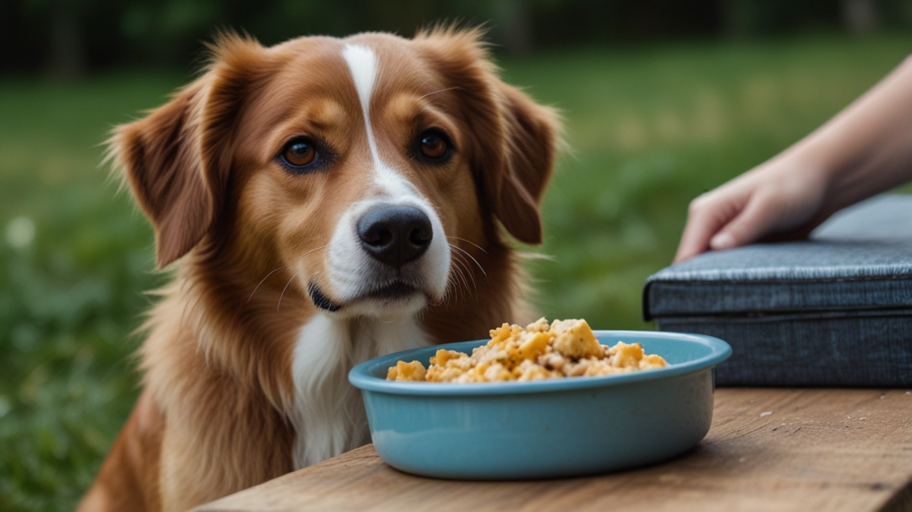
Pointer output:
x,y
349,271
363,64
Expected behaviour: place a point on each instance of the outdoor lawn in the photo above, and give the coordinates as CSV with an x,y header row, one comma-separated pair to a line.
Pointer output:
x,y
647,127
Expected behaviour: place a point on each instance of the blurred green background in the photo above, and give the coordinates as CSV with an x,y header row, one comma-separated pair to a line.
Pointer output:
x,y
662,100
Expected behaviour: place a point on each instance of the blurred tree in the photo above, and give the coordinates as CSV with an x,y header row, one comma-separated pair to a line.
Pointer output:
x,y
860,17
598,21
512,20
69,36
754,17
895,13
67,58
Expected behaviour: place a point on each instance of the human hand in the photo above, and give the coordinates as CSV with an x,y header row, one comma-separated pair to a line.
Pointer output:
x,y
783,196
864,150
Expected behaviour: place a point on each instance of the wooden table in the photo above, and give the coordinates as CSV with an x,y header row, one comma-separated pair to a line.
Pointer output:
x,y
768,449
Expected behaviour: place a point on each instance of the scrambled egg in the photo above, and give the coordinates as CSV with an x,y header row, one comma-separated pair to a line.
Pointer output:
x,y
563,348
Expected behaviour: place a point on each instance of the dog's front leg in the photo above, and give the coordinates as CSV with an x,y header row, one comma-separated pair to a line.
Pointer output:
x,y
128,478
220,444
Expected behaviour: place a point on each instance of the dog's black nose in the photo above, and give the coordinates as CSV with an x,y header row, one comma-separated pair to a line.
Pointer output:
x,y
395,235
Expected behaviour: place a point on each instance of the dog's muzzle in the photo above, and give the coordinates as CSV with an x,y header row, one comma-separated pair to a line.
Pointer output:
x,y
393,238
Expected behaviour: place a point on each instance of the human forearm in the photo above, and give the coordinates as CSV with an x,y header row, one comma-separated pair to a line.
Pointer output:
x,y
866,148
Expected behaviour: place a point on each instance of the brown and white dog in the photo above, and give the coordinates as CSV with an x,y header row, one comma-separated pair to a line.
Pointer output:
x,y
326,201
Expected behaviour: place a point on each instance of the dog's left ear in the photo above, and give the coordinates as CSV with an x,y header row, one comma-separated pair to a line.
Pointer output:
x,y
529,148
175,159
512,140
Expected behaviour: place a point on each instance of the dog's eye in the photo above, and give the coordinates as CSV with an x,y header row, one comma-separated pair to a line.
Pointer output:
x,y
299,153
433,145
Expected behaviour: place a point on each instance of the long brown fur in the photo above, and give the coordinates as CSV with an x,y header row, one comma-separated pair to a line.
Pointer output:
x,y
218,388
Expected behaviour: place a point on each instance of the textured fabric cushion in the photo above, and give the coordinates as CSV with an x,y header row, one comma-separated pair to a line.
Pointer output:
x,y
833,310
859,259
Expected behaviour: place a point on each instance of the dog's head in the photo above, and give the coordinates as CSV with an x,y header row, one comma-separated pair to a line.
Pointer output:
x,y
354,165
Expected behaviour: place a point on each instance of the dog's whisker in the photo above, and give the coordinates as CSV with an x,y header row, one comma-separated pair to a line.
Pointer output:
x,y
465,288
283,291
461,265
457,278
463,269
472,278
470,256
437,91
315,250
280,268
262,281
468,242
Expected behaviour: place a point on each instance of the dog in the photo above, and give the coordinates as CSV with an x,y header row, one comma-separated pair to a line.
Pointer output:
x,y
321,202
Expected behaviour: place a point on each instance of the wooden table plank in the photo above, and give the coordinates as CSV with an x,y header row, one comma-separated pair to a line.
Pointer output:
x,y
768,449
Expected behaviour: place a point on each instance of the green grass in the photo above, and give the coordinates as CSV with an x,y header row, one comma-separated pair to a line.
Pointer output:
x,y
69,299
649,128
652,128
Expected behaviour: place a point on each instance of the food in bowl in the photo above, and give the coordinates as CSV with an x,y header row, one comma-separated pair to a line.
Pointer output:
x,y
563,348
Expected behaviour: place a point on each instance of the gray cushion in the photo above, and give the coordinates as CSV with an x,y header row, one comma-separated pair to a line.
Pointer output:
x,y
832,310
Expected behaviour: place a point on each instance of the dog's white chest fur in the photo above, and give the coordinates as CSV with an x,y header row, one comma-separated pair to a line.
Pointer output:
x,y
328,414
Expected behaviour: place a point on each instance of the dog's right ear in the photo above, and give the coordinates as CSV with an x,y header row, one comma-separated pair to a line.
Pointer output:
x,y
174,159
161,158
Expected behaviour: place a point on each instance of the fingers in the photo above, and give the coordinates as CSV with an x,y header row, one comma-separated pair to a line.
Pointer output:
x,y
785,195
706,216
695,238
748,226
718,225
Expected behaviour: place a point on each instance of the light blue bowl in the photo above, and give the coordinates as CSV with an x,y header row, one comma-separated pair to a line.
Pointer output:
x,y
544,429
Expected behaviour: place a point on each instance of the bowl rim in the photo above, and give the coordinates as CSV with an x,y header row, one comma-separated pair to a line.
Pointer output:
x,y
360,376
